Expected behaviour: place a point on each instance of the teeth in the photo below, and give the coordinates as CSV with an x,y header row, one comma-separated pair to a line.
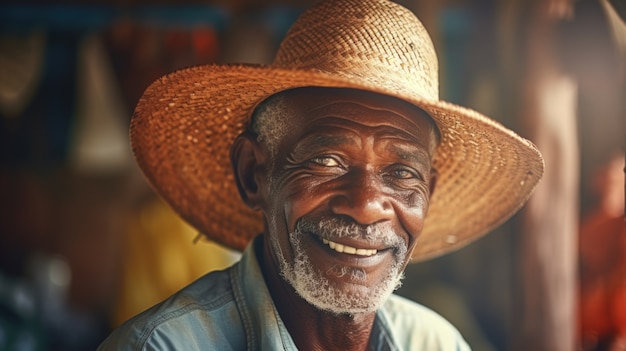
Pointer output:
x,y
349,249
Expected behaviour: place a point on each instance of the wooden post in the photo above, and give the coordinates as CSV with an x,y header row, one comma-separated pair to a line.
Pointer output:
x,y
545,313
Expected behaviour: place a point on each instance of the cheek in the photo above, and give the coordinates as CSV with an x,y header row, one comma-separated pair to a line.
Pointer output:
x,y
299,201
295,196
412,213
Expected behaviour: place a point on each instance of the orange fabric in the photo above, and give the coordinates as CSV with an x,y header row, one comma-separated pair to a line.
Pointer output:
x,y
603,279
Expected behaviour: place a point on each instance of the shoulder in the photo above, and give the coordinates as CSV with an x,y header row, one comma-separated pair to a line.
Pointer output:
x,y
182,321
402,311
418,327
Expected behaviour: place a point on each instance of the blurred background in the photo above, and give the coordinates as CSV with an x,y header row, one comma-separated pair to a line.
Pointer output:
x,y
86,244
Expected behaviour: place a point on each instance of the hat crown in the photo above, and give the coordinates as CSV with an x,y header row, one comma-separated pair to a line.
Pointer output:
x,y
344,38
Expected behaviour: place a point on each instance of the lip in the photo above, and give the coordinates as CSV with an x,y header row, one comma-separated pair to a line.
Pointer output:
x,y
341,248
351,260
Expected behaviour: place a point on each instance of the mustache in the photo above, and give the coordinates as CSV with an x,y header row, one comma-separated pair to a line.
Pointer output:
x,y
339,227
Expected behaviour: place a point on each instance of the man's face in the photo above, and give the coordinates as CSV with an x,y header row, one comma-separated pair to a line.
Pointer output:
x,y
347,195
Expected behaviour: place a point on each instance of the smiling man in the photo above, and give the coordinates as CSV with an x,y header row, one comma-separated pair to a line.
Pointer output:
x,y
343,157
345,193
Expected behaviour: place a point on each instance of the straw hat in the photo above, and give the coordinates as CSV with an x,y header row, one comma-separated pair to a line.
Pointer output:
x,y
185,122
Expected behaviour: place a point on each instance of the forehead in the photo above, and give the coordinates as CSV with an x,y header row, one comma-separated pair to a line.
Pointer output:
x,y
315,108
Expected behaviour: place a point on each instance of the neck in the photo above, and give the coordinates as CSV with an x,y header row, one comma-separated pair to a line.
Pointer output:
x,y
309,327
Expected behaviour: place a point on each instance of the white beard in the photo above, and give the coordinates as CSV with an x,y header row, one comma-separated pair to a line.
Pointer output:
x,y
315,287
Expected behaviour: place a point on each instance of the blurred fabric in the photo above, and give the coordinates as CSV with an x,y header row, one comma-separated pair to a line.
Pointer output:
x,y
602,309
161,256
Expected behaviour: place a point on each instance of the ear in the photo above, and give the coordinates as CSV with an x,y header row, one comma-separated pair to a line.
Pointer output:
x,y
434,175
247,158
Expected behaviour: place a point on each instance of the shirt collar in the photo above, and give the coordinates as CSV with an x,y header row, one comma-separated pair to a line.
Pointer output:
x,y
264,328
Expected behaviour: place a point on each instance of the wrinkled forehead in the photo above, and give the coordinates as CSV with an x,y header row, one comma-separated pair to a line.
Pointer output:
x,y
305,103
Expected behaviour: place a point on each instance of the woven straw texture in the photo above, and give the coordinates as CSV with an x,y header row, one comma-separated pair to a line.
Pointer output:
x,y
185,122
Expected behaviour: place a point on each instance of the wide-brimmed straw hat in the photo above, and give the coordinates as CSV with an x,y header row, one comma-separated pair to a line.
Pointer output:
x,y
186,121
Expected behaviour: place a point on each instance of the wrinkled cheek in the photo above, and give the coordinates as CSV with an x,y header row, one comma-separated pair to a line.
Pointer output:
x,y
295,206
278,233
291,217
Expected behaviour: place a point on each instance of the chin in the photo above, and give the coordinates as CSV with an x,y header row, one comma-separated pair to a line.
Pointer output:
x,y
341,289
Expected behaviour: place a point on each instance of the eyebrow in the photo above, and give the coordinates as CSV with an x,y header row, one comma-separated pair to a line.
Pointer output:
x,y
321,140
410,153
404,150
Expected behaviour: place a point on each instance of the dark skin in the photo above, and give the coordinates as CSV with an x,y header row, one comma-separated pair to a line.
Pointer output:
x,y
360,156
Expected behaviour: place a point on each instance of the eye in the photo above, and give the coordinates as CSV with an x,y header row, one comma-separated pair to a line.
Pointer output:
x,y
402,174
326,161
405,173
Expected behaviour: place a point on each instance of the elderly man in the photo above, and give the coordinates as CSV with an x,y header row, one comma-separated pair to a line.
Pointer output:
x,y
336,150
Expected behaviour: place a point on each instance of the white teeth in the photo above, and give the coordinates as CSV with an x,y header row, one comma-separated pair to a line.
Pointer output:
x,y
349,249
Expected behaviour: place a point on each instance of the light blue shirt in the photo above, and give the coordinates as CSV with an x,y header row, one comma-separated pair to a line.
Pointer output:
x,y
233,310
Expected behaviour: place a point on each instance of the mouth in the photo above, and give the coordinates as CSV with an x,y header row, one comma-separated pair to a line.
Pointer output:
x,y
341,248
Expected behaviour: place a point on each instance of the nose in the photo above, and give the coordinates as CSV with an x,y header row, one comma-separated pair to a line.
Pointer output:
x,y
362,198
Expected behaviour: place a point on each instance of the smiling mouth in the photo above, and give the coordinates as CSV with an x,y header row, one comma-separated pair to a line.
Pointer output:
x,y
349,249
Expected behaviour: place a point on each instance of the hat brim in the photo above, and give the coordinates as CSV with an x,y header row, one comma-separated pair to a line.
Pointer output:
x,y
185,122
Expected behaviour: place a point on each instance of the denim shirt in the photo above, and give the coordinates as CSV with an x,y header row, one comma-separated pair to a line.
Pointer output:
x,y
233,310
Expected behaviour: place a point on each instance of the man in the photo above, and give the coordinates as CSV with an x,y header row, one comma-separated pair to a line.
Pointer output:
x,y
336,150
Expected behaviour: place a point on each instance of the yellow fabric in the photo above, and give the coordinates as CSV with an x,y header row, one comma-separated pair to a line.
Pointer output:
x,y
161,257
